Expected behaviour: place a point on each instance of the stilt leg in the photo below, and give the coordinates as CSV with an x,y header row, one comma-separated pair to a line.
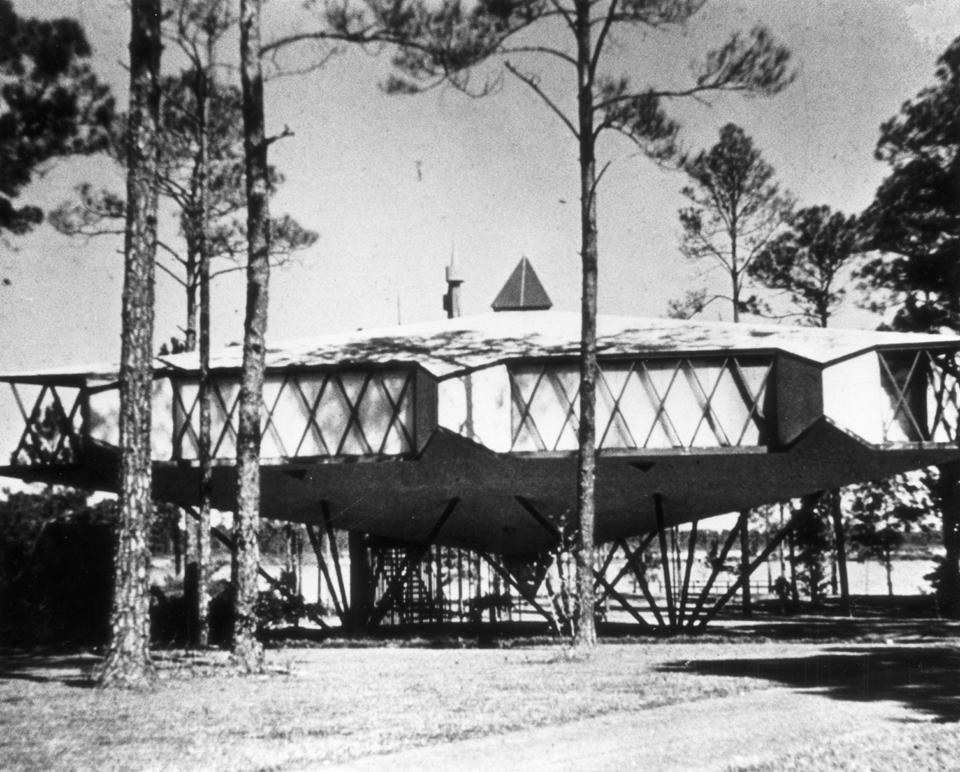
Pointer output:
x,y
414,556
745,576
665,560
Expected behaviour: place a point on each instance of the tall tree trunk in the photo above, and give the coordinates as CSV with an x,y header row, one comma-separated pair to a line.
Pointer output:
x,y
766,541
743,523
128,658
586,632
203,395
192,278
204,552
948,592
246,648
783,562
841,550
794,589
734,269
177,541
833,572
950,586
188,548
361,583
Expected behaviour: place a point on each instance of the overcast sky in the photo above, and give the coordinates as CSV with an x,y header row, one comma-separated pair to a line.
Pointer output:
x,y
393,183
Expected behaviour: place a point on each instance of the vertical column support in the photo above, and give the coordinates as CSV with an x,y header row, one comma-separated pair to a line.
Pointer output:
x,y
227,541
335,551
691,555
362,586
525,593
86,422
645,587
665,559
608,560
745,577
628,562
630,565
414,556
560,598
714,573
340,604
841,549
743,525
612,592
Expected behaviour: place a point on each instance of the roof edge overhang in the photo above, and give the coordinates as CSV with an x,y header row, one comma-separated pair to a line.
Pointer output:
x,y
452,348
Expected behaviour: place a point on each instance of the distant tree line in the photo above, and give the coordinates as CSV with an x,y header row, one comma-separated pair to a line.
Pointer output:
x,y
902,251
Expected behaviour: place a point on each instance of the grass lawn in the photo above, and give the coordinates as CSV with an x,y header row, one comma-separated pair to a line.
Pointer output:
x,y
321,705
911,747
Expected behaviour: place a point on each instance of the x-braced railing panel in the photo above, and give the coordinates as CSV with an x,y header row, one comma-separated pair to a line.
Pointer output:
x,y
644,403
922,394
307,414
52,426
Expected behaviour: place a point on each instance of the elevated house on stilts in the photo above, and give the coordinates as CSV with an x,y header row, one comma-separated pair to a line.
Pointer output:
x,y
448,449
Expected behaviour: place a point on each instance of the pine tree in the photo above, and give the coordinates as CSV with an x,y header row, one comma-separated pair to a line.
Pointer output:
x,y
454,37
807,263
914,223
53,104
247,650
128,661
735,209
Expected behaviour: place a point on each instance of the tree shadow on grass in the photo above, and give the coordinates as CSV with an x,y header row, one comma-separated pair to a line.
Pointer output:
x,y
843,629
68,669
924,678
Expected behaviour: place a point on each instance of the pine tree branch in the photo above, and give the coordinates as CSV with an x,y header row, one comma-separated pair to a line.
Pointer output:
x,y
566,15
506,51
602,38
287,132
171,251
171,274
532,83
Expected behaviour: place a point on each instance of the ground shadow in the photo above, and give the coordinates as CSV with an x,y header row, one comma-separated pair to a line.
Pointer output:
x,y
841,629
925,678
69,669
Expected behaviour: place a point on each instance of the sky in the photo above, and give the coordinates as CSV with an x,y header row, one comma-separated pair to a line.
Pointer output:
x,y
395,184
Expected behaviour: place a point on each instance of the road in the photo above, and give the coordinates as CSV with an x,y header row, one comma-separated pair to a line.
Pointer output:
x,y
709,734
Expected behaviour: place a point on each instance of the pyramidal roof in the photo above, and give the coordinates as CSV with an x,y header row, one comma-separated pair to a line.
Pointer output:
x,y
523,291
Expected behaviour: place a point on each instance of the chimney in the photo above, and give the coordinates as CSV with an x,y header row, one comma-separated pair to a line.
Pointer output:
x,y
451,301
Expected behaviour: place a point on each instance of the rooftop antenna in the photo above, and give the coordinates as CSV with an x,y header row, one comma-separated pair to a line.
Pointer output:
x,y
451,300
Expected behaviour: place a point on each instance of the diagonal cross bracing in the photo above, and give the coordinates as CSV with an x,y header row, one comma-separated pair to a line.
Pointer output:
x,y
645,403
901,389
51,435
311,424
942,385
923,396
310,414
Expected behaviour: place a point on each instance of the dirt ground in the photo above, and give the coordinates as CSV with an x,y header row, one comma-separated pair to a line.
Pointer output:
x,y
887,697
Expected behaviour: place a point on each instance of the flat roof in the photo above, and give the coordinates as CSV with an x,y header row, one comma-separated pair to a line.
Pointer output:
x,y
450,346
